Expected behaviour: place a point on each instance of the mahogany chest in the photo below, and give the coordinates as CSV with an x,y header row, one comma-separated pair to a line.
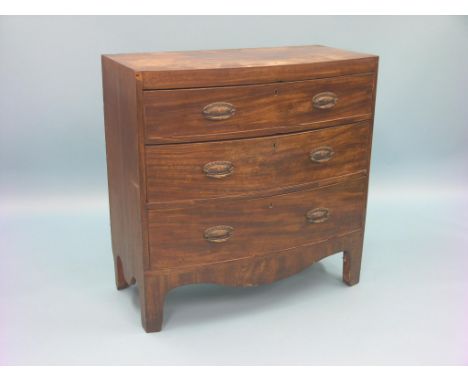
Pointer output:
x,y
238,167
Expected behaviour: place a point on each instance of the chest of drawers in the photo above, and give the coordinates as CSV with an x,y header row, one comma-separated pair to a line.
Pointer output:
x,y
238,167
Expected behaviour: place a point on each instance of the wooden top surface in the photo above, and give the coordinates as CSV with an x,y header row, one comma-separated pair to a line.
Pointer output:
x,y
233,58
162,70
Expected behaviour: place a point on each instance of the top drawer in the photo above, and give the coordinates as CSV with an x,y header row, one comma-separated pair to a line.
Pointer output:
x,y
205,114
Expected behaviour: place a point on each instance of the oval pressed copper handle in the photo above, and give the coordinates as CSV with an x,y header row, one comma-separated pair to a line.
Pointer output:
x,y
218,111
324,100
218,234
318,215
321,154
218,169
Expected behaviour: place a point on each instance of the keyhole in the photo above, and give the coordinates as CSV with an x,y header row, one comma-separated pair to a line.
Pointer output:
x,y
276,92
274,146
271,205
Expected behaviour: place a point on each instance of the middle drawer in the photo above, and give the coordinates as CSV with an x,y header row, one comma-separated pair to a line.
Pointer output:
x,y
229,168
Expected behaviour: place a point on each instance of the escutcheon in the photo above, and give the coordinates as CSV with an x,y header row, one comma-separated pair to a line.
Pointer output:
x,y
218,111
218,169
218,234
325,100
318,215
321,154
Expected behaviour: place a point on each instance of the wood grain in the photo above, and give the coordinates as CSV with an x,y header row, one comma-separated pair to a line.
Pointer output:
x,y
260,225
177,115
122,150
168,70
176,172
238,167
249,272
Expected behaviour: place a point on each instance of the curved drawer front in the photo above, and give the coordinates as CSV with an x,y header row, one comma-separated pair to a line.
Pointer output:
x,y
194,115
221,231
246,166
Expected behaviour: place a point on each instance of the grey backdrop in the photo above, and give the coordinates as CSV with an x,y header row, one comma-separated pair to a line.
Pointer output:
x,y
57,280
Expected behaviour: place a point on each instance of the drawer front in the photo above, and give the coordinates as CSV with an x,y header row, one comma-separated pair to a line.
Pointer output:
x,y
193,115
221,231
245,166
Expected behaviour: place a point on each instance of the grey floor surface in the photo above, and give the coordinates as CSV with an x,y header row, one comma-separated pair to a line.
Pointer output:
x,y
59,305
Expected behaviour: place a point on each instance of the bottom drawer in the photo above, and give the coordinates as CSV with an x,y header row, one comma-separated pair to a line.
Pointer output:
x,y
227,230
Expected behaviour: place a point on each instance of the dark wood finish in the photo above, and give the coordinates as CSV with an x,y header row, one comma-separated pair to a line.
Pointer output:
x,y
177,172
237,167
122,92
252,271
260,225
352,256
180,115
121,128
170,70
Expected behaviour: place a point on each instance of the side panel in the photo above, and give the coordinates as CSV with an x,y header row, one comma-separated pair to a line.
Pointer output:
x,y
125,182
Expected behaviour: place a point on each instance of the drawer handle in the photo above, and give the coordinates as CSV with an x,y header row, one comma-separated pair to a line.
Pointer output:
x,y
218,111
218,169
325,100
318,215
321,154
218,234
